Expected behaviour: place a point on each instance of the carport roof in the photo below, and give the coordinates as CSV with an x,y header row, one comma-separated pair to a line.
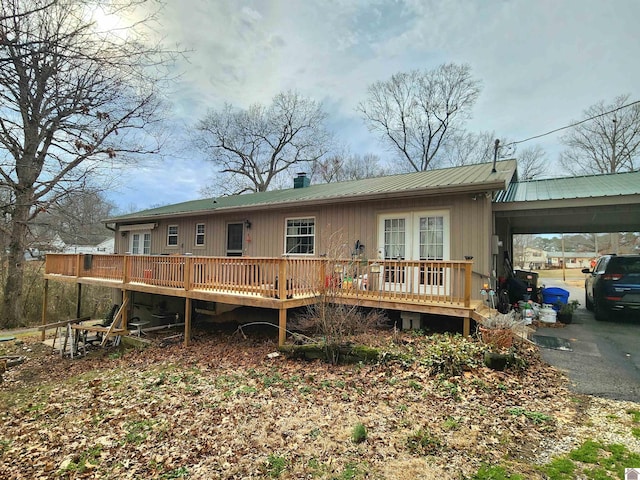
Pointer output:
x,y
614,184
592,203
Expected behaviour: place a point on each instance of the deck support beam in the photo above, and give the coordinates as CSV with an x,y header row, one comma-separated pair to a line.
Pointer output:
x,y
466,326
282,324
187,321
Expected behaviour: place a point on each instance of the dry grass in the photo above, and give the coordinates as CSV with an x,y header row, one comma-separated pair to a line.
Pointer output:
x,y
223,409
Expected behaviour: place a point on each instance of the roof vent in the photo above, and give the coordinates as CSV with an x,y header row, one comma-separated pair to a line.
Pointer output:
x,y
301,181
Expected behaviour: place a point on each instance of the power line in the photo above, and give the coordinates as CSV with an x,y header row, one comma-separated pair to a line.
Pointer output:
x,y
573,124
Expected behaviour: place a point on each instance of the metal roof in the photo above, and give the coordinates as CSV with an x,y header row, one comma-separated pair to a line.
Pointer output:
x,y
589,186
476,177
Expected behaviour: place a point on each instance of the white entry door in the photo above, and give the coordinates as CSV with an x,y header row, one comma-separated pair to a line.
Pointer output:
x,y
415,236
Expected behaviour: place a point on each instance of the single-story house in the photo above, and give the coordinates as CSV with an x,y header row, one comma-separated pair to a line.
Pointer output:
x,y
419,243
570,259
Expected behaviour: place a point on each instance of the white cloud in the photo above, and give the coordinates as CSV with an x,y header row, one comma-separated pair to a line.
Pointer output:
x,y
541,62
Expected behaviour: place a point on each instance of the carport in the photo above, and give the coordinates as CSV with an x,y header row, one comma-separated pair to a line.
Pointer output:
x,y
586,204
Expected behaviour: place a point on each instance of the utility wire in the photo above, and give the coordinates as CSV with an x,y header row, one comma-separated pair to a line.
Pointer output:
x,y
573,124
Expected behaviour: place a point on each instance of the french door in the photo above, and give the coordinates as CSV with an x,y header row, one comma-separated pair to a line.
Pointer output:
x,y
140,243
415,236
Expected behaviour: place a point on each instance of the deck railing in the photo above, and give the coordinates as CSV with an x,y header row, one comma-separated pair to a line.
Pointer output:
x,y
421,281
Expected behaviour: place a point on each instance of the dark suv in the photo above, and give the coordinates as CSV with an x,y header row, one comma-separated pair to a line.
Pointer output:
x,y
613,285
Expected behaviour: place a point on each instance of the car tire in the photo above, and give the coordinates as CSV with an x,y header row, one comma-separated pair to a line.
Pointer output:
x,y
588,303
601,314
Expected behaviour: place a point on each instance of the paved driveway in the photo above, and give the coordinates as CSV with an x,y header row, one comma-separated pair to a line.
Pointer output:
x,y
605,356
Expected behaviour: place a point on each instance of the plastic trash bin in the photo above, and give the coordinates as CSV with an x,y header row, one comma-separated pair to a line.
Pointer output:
x,y
554,295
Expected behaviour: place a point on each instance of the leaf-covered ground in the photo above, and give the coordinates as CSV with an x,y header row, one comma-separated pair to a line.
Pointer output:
x,y
223,408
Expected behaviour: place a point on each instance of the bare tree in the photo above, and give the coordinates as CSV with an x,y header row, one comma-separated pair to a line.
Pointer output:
x,y
607,143
532,162
74,100
415,113
345,167
252,147
79,218
467,148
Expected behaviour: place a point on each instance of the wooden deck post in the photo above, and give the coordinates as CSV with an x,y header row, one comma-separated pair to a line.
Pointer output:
x,y
125,269
44,307
282,324
282,282
125,312
467,284
466,326
79,301
188,274
187,321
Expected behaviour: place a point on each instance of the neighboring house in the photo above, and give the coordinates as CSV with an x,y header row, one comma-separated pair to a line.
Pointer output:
x,y
570,259
107,246
38,249
532,258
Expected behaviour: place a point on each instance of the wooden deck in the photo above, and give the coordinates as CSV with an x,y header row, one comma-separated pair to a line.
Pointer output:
x,y
434,287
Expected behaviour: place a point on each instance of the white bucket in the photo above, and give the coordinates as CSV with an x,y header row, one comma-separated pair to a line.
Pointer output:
x,y
547,314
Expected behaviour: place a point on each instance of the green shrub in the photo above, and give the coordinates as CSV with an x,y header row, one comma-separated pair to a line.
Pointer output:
x,y
359,433
450,355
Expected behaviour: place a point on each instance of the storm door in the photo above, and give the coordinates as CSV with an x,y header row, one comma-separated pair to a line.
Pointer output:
x,y
235,233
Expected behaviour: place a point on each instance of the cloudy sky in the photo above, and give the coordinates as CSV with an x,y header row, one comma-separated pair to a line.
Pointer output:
x,y
541,62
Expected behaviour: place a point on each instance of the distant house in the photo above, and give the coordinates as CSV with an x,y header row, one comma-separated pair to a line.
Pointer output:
x,y
570,259
532,258
105,247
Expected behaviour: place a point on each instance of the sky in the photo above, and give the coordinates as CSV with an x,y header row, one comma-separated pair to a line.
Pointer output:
x,y
541,64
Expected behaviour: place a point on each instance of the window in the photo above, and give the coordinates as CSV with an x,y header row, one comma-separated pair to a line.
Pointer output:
x,y
300,236
172,235
199,234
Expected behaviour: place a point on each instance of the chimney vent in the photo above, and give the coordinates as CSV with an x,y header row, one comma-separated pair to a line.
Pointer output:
x,y
301,181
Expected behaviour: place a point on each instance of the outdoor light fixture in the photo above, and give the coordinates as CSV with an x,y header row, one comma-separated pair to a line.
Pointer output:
x,y
247,224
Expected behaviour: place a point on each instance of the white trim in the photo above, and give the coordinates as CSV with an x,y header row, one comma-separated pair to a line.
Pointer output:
x,y
176,235
315,243
204,235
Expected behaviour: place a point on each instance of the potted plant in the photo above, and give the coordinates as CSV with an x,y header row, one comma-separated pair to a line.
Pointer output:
x,y
565,313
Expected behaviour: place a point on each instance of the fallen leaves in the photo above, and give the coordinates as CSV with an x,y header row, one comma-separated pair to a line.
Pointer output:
x,y
226,408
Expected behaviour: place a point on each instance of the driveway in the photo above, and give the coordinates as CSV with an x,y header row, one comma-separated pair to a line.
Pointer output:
x,y
605,356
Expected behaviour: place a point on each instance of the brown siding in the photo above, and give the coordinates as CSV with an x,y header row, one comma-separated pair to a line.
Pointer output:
x,y
470,223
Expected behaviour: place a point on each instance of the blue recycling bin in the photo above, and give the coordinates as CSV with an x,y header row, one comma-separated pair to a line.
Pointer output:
x,y
554,295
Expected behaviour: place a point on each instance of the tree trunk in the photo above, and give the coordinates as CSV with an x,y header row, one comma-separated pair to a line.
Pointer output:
x,y
12,299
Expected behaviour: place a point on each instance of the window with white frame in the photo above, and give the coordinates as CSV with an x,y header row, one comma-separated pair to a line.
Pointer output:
x,y
172,235
300,236
199,234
